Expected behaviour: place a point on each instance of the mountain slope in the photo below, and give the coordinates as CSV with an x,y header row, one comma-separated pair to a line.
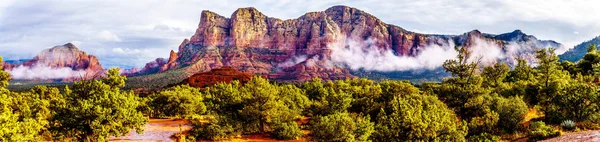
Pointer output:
x,y
330,44
575,54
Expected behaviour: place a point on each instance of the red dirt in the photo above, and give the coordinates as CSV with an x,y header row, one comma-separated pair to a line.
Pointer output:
x,y
156,130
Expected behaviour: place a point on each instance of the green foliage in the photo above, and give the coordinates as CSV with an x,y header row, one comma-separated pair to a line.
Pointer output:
x,y
287,131
539,131
95,110
512,111
339,127
25,116
418,118
214,129
494,75
578,101
460,67
589,59
568,125
180,101
22,116
255,107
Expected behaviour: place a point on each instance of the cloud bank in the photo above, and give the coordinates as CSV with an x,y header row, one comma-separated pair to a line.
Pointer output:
x,y
44,72
362,55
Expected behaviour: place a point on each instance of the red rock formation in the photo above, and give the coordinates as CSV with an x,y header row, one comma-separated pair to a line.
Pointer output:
x,y
249,41
224,74
68,56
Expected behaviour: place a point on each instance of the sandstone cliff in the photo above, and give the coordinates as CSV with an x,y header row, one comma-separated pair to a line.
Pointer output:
x,y
249,41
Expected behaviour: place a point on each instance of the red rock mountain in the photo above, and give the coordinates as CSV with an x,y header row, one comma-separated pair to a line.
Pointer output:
x,y
251,42
64,56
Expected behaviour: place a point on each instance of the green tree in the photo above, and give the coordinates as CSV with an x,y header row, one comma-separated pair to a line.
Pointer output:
x,y
495,75
419,118
23,116
98,109
578,102
180,101
255,107
550,76
589,59
340,127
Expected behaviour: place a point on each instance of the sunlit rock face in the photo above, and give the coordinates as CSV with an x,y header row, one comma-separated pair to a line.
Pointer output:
x,y
305,47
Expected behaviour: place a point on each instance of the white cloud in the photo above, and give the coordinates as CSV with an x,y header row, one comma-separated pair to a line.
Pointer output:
x,y
361,55
108,36
44,72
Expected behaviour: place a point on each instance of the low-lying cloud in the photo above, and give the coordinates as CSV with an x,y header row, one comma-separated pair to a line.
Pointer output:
x,y
362,55
44,72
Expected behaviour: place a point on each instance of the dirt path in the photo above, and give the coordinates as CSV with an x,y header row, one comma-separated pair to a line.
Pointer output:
x,y
588,136
157,130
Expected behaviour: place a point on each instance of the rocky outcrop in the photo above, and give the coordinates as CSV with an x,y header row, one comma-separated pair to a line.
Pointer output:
x,y
251,42
64,56
224,74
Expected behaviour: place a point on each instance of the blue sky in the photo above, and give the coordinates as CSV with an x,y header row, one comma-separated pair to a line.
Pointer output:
x,y
133,32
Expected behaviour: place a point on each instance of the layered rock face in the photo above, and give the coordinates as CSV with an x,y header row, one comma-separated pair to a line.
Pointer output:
x,y
64,56
249,41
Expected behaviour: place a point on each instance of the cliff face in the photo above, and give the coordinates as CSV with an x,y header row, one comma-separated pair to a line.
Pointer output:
x,y
249,41
64,56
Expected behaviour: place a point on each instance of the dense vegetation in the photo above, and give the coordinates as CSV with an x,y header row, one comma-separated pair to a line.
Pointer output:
x,y
478,103
91,110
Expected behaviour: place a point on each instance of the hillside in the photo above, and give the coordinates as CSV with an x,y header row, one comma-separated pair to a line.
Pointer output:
x,y
576,53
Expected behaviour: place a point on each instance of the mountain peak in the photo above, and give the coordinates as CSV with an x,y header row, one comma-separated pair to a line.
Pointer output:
x,y
517,31
248,11
516,35
69,45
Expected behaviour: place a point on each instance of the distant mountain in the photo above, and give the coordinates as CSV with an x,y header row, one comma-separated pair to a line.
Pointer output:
x,y
302,48
575,54
58,62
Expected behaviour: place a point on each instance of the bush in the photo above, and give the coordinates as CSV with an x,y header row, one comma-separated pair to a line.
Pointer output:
x,y
418,118
180,101
213,130
341,127
484,137
588,125
539,131
287,131
568,125
512,110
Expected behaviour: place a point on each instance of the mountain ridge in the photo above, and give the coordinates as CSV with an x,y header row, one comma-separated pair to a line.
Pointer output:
x,y
250,41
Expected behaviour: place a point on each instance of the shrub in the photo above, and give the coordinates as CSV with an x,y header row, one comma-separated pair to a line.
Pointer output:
x,y
539,131
484,137
287,131
418,118
213,130
568,125
588,125
341,127
180,101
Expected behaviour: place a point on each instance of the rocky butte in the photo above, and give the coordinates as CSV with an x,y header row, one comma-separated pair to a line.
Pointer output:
x,y
252,42
63,56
